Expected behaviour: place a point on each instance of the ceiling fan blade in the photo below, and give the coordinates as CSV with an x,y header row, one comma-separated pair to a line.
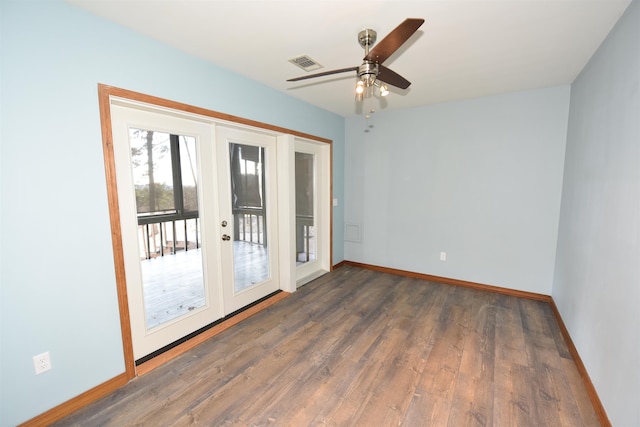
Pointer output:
x,y
325,73
396,38
391,77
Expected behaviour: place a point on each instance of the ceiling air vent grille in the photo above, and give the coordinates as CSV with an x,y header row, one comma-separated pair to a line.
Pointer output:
x,y
305,62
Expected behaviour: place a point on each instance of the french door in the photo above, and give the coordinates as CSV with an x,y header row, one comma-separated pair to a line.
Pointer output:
x,y
198,220
248,216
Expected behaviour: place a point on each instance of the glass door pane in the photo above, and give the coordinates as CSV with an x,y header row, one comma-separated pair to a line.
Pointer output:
x,y
164,170
306,248
250,255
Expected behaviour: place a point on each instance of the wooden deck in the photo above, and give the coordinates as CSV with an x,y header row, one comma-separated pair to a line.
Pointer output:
x,y
173,284
362,348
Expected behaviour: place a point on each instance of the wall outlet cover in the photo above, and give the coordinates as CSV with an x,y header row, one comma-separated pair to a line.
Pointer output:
x,y
42,362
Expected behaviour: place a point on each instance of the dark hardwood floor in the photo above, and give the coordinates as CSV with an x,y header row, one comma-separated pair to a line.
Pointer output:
x,y
363,348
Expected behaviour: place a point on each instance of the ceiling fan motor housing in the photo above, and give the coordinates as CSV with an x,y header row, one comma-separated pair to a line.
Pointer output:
x,y
368,72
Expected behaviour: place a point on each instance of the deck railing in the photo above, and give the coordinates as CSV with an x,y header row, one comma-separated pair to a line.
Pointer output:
x,y
305,239
249,226
167,237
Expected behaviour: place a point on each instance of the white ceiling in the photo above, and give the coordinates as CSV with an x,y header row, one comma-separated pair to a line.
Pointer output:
x,y
465,49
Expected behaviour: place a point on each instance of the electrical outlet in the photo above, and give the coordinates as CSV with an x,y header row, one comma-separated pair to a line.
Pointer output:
x,y
443,256
42,363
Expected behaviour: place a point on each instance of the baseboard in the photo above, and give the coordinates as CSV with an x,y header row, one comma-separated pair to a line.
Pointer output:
x,y
456,282
582,370
78,402
338,265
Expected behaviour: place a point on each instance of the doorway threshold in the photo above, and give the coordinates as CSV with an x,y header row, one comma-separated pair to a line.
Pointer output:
x,y
173,350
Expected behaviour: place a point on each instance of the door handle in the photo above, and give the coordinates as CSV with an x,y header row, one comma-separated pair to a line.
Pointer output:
x,y
226,237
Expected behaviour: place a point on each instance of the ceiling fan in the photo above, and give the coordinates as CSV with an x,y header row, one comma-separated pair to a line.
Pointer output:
x,y
372,73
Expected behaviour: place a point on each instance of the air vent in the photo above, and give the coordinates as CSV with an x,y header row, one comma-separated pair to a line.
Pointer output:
x,y
305,62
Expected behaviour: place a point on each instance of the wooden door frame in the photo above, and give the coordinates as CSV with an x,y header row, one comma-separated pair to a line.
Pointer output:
x,y
105,95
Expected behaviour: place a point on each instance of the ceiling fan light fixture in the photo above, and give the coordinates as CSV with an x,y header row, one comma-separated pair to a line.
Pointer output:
x,y
372,66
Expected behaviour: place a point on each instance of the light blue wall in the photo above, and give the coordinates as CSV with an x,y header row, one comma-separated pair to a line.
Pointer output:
x,y
597,277
479,179
58,290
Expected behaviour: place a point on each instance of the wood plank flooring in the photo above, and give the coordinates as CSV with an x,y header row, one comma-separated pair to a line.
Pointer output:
x,y
363,348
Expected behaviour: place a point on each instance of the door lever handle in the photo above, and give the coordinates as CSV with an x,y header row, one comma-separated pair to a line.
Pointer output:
x,y
226,237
